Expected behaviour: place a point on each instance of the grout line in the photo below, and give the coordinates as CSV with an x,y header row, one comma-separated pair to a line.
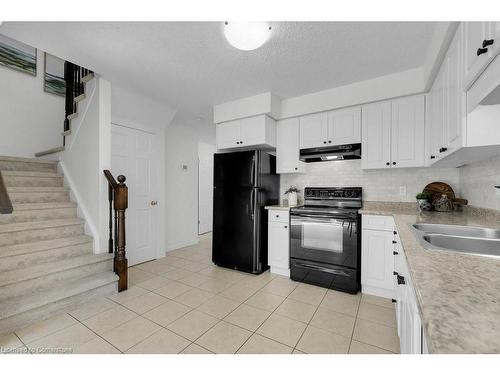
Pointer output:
x,y
355,322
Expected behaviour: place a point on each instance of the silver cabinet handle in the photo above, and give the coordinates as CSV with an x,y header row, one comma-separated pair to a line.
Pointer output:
x,y
154,203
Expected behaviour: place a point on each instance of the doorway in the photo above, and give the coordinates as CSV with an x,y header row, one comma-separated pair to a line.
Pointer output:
x,y
133,155
205,186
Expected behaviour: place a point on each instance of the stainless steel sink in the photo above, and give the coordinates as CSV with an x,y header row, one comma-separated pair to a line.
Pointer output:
x,y
459,238
459,230
470,245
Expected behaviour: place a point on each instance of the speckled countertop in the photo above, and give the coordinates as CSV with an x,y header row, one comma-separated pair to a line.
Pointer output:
x,y
458,294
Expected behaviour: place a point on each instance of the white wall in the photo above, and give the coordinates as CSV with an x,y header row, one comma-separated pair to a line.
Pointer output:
x,y
478,181
378,185
31,120
87,154
182,139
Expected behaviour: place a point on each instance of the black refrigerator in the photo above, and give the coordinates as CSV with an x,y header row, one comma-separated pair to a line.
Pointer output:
x,y
244,182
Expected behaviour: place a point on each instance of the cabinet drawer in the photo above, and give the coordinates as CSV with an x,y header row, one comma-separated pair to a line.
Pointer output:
x,y
279,216
378,222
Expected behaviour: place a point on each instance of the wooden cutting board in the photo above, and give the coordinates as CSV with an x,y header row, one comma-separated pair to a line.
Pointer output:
x,y
436,189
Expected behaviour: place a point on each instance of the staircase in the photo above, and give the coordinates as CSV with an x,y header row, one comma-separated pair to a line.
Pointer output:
x,y
47,263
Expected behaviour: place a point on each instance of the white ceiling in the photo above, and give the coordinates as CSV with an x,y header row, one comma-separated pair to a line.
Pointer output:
x,y
190,65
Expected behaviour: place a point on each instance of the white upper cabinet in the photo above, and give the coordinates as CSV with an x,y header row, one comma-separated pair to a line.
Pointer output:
x,y
376,131
256,132
408,132
482,44
344,126
313,130
228,134
332,128
288,146
393,133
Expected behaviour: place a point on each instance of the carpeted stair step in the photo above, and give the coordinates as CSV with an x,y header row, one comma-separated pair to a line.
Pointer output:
x,y
33,179
19,312
47,194
50,275
9,163
11,234
24,212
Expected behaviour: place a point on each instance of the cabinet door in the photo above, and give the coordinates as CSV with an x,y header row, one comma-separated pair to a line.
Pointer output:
x,y
314,130
344,126
437,115
377,259
253,131
278,245
455,97
288,146
494,33
407,136
376,135
228,134
475,33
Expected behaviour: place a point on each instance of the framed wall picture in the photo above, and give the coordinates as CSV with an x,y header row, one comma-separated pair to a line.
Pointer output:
x,y
54,75
17,55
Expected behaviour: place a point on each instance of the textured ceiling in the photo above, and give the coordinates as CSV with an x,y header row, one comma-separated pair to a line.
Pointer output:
x,y
192,67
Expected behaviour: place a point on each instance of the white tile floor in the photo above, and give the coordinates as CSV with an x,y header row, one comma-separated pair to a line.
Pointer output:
x,y
184,304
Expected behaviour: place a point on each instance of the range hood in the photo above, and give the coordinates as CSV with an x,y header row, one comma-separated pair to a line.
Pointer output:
x,y
332,153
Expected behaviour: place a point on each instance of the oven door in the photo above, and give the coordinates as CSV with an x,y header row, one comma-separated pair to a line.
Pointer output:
x,y
326,239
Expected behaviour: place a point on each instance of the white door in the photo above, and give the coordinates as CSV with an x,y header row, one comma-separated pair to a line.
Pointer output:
x,y
278,245
313,130
377,259
287,146
344,126
376,136
132,155
205,186
407,132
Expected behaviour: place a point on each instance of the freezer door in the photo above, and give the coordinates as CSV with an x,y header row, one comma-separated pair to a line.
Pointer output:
x,y
235,169
233,238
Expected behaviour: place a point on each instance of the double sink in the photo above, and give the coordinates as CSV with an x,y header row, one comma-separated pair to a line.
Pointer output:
x,y
459,238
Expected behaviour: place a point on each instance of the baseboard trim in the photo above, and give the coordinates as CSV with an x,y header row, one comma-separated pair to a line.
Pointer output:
x,y
280,271
180,245
375,291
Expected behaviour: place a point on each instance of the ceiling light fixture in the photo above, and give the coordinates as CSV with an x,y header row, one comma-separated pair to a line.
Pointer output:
x,y
247,36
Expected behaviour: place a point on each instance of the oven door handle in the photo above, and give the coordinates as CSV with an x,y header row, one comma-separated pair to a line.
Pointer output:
x,y
319,219
323,269
333,217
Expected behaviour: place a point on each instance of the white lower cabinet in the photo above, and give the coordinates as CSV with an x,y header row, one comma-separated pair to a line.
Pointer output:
x,y
377,259
278,244
385,273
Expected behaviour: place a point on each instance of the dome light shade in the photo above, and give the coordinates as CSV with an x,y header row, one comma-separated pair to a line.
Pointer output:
x,y
247,36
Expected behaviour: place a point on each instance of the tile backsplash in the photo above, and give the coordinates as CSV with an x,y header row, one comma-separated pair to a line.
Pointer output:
x,y
399,185
477,183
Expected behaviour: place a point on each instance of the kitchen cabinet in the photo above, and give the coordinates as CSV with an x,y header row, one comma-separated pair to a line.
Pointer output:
x,y
408,132
339,127
377,258
251,132
481,43
288,147
410,329
393,133
446,106
279,242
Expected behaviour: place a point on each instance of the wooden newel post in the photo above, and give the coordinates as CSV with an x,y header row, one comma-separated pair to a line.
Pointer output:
x,y
120,205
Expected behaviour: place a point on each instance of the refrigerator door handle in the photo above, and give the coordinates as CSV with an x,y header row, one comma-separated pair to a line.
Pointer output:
x,y
252,177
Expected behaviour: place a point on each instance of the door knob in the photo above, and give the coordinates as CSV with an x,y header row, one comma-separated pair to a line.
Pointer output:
x,y
154,203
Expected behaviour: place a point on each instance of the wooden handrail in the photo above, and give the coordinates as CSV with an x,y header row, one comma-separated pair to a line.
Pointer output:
x,y
5,203
118,202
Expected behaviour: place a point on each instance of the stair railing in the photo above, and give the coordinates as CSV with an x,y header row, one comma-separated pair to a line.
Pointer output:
x,y
5,203
118,202
74,76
